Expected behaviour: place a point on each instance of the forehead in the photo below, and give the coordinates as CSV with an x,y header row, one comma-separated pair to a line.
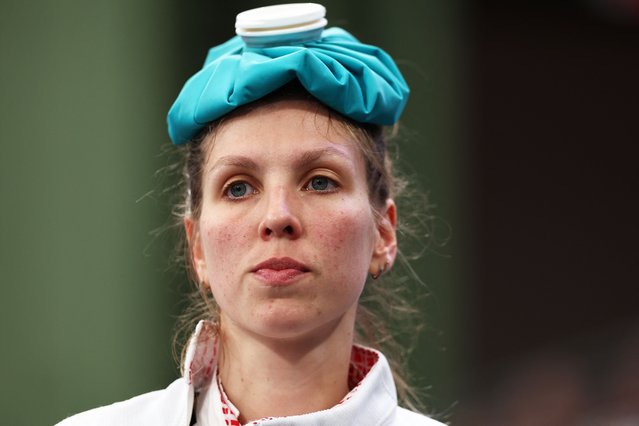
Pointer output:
x,y
284,126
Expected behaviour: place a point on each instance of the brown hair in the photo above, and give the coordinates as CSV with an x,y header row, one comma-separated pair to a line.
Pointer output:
x,y
384,308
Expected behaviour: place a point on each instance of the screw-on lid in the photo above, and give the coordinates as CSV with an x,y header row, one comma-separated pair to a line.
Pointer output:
x,y
280,19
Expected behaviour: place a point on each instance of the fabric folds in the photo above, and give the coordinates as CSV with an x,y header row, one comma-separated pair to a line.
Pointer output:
x,y
358,80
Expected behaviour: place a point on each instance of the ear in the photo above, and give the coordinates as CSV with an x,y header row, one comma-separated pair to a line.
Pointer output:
x,y
195,253
385,250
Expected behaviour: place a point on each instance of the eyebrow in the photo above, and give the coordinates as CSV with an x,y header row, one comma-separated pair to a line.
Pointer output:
x,y
238,161
303,161
313,156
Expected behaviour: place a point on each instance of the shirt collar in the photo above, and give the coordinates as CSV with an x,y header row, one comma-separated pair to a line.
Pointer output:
x,y
372,393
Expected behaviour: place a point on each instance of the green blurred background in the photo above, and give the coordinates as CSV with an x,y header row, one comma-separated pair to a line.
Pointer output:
x,y
521,128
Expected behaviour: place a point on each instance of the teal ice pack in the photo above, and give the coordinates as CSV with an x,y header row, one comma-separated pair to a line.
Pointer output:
x,y
358,80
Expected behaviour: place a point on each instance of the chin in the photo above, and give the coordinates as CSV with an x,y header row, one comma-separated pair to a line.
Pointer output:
x,y
286,325
298,323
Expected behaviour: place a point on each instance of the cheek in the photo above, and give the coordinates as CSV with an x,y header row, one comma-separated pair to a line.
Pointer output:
x,y
346,239
222,241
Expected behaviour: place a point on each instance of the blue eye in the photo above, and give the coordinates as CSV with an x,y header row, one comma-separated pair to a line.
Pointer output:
x,y
238,190
321,184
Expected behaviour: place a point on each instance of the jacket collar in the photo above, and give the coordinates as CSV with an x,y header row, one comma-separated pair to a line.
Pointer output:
x,y
372,398
200,360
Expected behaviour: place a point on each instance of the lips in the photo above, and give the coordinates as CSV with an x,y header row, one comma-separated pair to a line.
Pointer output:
x,y
280,271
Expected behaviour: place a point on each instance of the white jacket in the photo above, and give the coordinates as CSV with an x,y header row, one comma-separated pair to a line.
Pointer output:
x,y
372,402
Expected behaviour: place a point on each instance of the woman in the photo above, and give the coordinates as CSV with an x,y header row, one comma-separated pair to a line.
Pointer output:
x,y
288,209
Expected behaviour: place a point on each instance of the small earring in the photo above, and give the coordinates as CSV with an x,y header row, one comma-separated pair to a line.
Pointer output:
x,y
380,271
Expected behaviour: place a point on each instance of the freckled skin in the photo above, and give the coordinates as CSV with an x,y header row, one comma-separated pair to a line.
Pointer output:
x,y
333,233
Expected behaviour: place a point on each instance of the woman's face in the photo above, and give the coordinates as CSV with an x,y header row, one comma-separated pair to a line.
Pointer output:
x,y
286,234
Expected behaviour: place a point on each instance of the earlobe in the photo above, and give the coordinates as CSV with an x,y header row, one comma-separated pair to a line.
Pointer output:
x,y
195,253
385,250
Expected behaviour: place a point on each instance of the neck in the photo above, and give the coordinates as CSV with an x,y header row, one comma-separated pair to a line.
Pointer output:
x,y
266,377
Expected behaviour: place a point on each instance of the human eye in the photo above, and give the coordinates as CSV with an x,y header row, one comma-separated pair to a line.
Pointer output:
x,y
238,189
321,184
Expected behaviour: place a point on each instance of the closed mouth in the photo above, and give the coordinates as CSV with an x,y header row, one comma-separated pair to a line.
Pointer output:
x,y
281,264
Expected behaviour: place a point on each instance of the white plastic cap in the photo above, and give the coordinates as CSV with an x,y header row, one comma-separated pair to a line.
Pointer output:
x,y
280,19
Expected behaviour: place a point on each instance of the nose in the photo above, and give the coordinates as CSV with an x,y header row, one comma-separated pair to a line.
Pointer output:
x,y
280,219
